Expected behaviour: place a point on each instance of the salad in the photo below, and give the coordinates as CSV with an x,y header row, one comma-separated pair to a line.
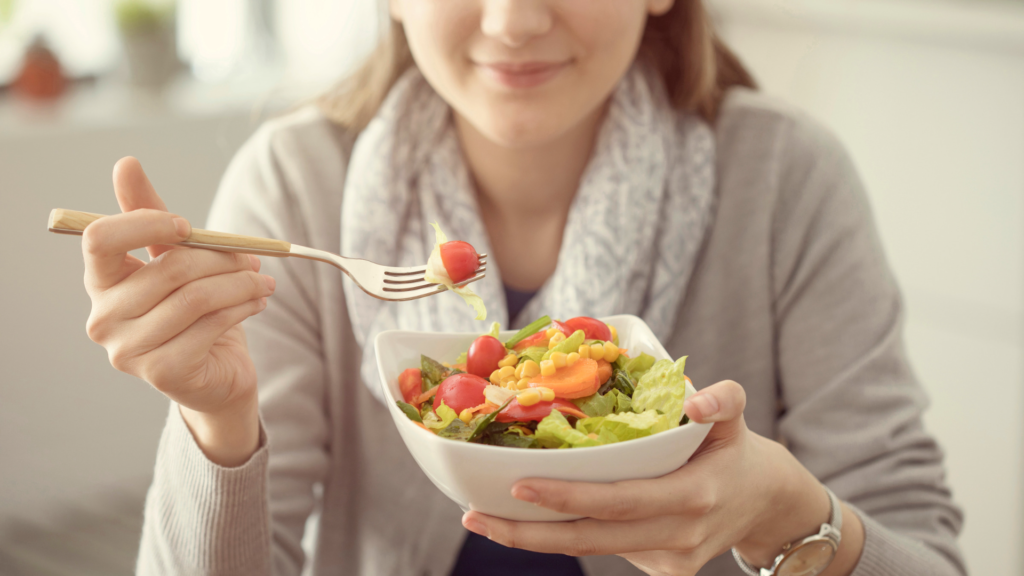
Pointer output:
x,y
551,385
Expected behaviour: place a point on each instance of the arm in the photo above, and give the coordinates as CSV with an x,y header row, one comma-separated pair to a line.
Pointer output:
x,y
203,518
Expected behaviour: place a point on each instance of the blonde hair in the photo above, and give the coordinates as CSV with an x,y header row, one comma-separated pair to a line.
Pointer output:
x,y
695,65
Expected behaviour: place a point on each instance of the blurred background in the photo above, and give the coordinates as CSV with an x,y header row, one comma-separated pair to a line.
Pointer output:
x,y
927,96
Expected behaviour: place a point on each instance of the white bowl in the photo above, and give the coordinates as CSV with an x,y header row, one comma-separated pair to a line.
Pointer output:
x,y
480,477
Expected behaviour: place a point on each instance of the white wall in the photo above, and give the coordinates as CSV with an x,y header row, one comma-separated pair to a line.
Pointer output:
x,y
929,99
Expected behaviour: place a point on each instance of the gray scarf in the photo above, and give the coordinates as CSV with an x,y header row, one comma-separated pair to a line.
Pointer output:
x,y
634,227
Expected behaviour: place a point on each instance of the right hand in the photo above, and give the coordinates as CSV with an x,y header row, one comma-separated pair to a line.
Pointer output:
x,y
175,321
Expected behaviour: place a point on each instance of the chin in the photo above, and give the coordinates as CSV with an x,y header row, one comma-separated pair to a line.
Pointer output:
x,y
512,130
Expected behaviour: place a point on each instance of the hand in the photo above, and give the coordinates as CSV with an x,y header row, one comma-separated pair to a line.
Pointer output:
x,y
739,489
174,321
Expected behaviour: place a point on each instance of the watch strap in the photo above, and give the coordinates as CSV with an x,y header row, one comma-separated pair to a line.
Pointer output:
x,y
832,530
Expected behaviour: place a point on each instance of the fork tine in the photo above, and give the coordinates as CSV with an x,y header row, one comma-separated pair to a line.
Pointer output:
x,y
416,271
397,283
427,289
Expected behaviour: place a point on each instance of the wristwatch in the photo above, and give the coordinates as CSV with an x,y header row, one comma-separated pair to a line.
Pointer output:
x,y
807,557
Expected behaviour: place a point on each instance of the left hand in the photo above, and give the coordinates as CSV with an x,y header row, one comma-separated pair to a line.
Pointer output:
x,y
739,489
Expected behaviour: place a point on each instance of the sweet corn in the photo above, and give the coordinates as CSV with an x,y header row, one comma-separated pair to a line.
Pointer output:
x,y
551,332
584,351
615,333
509,360
546,394
558,359
466,415
547,368
611,352
523,384
508,381
597,351
571,358
528,397
519,371
557,339
506,371
495,377
530,369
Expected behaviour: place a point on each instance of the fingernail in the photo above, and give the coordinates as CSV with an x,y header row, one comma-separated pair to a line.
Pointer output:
x,y
476,527
271,283
707,404
182,227
254,262
526,494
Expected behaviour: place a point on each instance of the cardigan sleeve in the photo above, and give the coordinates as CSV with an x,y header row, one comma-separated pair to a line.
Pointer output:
x,y
201,518
851,406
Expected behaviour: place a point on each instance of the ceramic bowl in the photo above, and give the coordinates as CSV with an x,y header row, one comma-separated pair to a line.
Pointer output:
x,y
480,477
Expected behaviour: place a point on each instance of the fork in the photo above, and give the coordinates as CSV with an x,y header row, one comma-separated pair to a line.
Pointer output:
x,y
384,282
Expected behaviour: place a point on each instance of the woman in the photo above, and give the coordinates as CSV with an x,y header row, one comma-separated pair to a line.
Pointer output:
x,y
611,157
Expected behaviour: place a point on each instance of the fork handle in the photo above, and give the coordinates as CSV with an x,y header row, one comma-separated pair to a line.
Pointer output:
x,y
74,222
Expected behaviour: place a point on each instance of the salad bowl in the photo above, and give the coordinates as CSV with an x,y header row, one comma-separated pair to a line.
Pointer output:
x,y
480,477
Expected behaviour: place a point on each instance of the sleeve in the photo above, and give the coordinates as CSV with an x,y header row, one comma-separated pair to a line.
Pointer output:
x,y
851,406
201,518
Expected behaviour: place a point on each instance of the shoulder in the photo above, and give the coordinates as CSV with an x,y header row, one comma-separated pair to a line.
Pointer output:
x,y
303,135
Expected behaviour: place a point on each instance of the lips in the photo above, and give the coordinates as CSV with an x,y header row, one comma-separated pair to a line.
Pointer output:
x,y
521,75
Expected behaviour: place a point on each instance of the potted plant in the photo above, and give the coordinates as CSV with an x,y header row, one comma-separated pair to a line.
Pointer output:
x,y
147,30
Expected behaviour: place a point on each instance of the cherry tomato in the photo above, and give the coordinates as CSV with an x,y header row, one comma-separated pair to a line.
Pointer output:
x,y
410,382
484,355
593,328
563,328
459,259
460,391
538,339
537,412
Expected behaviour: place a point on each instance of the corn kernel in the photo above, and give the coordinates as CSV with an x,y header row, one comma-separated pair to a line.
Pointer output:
x,y
558,359
519,371
466,415
506,371
511,379
523,384
571,358
528,397
446,365
615,333
530,369
557,339
584,351
546,394
547,368
495,377
509,360
611,352
551,332
597,351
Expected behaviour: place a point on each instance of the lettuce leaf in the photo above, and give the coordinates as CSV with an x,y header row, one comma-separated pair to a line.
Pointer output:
x,y
623,403
570,344
495,329
662,388
432,372
635,367
409,411
437,274
554,431
597,404
631,425
535,353
442,419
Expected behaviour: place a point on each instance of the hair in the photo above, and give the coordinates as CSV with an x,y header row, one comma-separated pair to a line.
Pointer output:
x,y
695,65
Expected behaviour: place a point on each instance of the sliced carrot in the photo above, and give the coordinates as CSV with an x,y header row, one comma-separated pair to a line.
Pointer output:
x,y
576,381
571,412
604,371
461,367
424,397
539,339
420,424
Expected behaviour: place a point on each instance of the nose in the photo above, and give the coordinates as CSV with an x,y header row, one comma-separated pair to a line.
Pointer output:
x,y
515,22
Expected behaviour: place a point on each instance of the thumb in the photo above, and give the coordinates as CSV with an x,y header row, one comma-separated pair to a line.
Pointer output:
x,y
722,402
134,191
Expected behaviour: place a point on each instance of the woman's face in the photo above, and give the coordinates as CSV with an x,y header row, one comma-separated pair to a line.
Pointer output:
x,y
523,72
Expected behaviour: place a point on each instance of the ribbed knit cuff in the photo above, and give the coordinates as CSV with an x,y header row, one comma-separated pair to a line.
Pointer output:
x,y
887,553
204,517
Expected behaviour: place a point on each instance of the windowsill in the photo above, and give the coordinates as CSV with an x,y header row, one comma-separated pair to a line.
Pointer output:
x,y
994,24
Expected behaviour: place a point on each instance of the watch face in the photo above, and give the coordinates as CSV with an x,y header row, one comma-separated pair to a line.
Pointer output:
x,y
809,559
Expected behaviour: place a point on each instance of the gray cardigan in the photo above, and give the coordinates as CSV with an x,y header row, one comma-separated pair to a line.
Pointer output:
x,y
791,297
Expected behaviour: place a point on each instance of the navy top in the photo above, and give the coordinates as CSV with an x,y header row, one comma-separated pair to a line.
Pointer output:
x,y
480,556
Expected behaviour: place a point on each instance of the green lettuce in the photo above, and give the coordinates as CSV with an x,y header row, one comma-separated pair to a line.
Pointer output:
x,y
535,353
437,274
409,411
623,403
635,367
442,419
662,388
597,404
554,431
569,345
432,372
495,329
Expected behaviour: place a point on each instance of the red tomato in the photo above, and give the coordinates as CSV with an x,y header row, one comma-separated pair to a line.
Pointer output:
x,y
460,391
537,412
538,339
459,259
593,328
484,355
410,381
563,328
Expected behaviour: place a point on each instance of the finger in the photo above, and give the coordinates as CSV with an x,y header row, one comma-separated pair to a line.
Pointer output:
x,y
664,563
107,241
134,191
198,299
141,292
627,500
719,402
586,537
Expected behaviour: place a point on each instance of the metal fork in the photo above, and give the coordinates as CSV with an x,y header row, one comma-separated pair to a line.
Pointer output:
x,y
384,282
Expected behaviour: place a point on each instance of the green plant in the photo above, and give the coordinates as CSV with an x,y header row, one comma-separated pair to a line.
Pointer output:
x,y
142,15
6,11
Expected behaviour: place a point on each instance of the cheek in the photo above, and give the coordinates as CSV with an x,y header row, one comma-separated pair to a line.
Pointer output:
x,y
438,32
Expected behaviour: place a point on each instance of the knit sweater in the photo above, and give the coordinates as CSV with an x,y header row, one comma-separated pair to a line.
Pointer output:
x,y
791,297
